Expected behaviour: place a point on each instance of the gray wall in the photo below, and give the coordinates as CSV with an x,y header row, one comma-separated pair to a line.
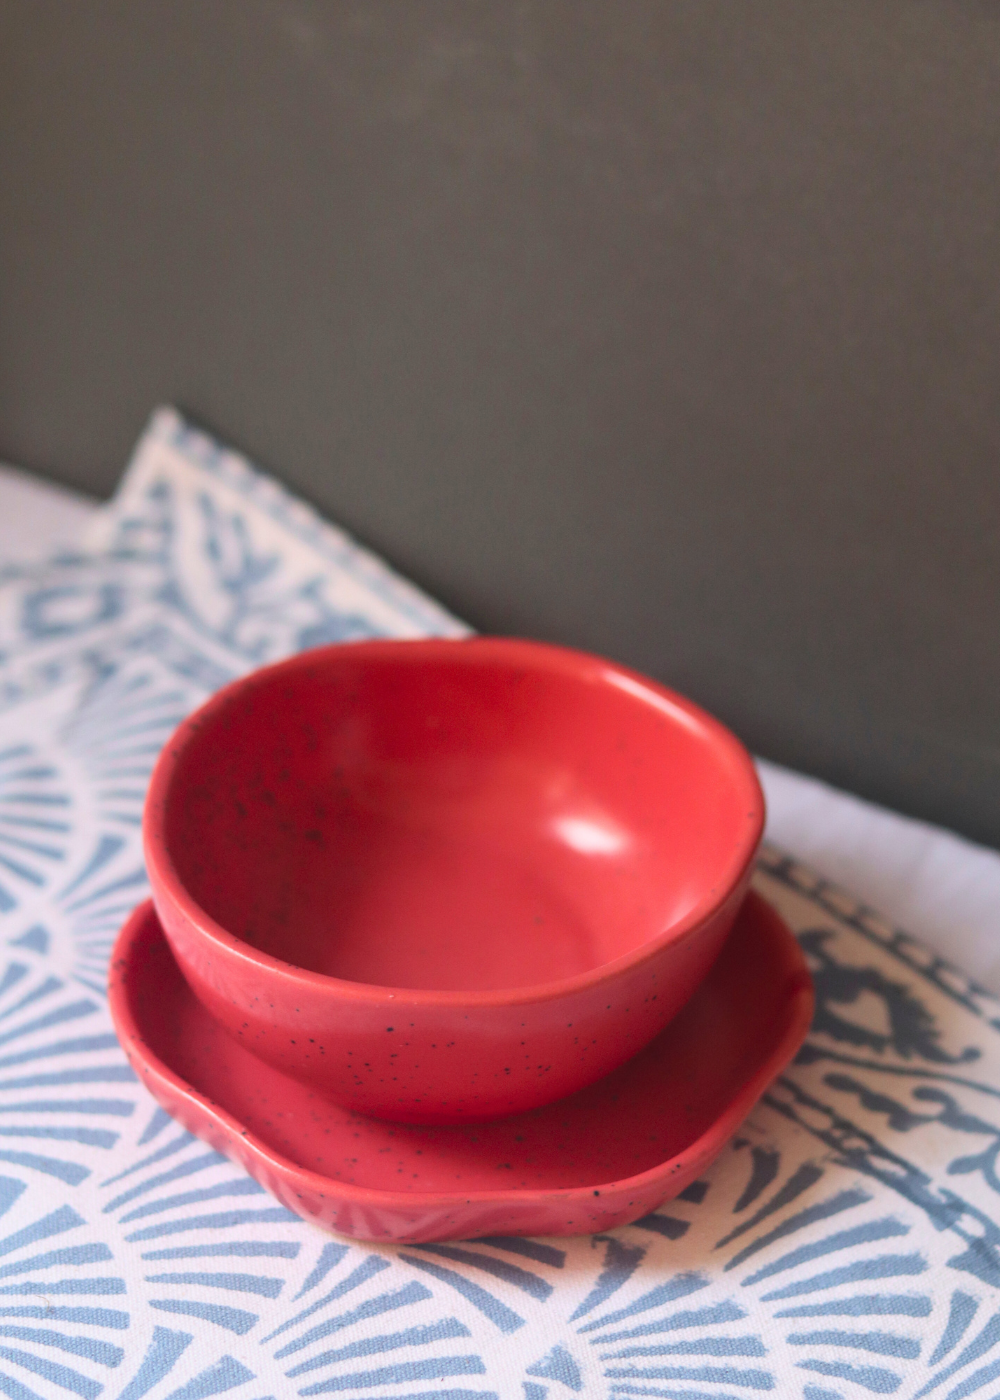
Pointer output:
x,y
671,330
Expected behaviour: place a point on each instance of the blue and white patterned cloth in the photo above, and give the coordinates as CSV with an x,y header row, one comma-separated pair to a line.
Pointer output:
x,y
845,1244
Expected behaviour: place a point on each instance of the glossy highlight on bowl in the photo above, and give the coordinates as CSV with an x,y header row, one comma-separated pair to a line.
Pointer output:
x,y
448,880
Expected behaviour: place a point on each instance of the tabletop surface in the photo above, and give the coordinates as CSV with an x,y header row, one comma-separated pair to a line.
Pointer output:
x,y
842,1244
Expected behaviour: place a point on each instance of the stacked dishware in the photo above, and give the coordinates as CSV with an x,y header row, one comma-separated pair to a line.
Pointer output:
x,y
455,938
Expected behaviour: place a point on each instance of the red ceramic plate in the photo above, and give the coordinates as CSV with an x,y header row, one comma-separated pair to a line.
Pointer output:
x,y
598,1159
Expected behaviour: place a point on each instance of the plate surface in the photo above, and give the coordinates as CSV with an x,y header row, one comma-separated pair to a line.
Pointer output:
x,y
596,1160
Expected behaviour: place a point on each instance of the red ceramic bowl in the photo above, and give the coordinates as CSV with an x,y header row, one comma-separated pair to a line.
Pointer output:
x,y
448,880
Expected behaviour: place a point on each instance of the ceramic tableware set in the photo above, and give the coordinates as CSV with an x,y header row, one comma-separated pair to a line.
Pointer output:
x,y
454,938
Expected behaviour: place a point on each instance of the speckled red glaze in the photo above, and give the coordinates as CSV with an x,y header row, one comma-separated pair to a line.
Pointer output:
x,y
445,881
602,1158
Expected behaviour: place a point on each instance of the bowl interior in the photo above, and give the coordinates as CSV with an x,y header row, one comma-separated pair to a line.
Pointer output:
x,y
454,816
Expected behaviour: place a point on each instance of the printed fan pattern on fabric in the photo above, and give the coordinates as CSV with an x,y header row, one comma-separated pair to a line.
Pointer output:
x,y
846,1244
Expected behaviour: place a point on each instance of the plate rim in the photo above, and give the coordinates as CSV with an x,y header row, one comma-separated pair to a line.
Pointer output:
x,y
154,1071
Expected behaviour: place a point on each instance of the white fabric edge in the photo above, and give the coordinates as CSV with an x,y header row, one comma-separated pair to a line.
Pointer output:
x,y
38,516
937,886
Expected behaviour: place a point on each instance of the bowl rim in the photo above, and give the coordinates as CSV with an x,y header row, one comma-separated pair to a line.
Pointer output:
x,y
730,753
